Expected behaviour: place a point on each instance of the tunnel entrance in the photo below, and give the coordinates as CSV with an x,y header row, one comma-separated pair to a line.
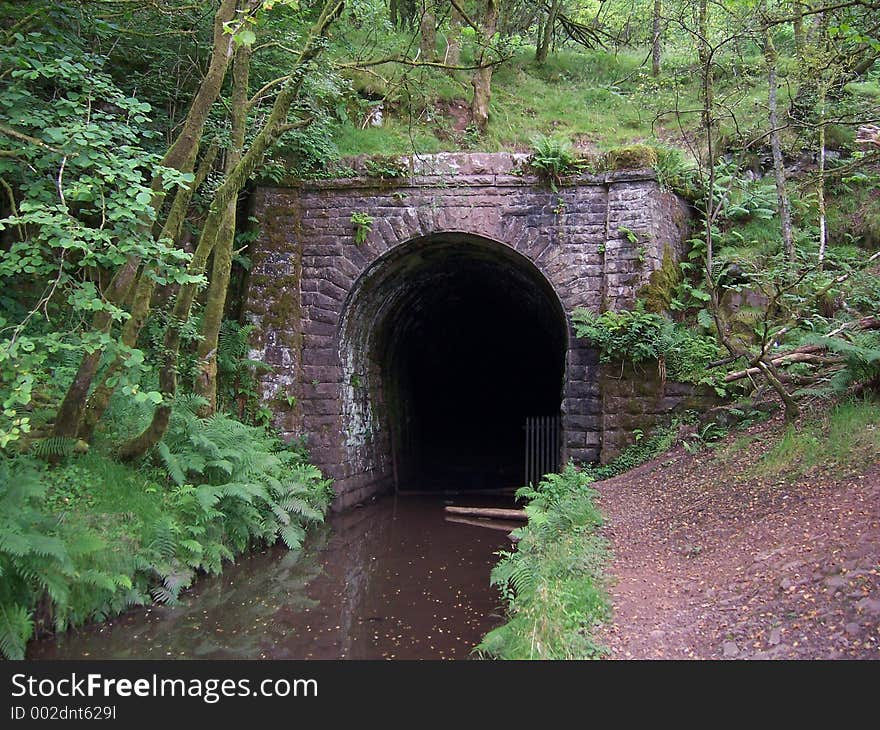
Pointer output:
x,y
450,343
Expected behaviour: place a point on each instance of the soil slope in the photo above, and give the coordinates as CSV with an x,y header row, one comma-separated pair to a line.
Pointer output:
x,y
713,559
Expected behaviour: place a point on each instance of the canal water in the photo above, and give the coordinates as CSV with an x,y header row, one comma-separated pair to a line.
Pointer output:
x,y
393,579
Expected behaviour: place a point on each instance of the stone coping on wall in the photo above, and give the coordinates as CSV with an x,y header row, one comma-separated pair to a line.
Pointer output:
x,y
463,169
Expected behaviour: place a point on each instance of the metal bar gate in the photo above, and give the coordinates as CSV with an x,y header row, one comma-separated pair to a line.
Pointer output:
x,y
543,434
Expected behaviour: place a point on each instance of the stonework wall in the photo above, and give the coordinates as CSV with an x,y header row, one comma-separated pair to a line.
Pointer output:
x,y
312,291
638,398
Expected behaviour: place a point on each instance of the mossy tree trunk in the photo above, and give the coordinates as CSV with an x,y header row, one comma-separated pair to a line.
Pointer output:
x,y
783,203
141,301
453,39
205,383
545,39
274,126
428,31
482,79
69,415
656,37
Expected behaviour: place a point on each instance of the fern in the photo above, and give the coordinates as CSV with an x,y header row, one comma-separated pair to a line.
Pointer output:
x,y
551,583
16,629
54,446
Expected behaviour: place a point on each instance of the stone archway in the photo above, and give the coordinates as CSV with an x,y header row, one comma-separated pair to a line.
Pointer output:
x,y
447,343
314,286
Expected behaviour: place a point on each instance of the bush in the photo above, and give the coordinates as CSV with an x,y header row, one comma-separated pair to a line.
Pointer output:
x,y
638,336
553,157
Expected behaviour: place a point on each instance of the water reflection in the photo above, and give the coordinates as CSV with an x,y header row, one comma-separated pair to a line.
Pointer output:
x,y
392,579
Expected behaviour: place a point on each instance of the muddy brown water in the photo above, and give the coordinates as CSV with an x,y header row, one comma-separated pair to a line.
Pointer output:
x,y
393,579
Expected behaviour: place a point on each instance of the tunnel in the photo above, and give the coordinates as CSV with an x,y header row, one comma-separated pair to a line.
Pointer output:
x,y
449,343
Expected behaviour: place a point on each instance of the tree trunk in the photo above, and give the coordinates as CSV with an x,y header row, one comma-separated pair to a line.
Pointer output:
x,y
546,32
656,37
792,411
178,156
770,57
482,79
228,191
453,39
206,378
820,182
428,32
798,29
191,133
70,411
823,83
708,122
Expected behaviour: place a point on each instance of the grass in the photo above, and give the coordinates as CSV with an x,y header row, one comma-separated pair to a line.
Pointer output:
x,y
598,98
846,437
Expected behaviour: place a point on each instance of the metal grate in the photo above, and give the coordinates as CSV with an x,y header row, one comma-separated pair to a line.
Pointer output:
x,y
543,435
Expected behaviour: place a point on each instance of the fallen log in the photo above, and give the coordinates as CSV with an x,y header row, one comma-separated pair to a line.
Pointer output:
x,y
474,522
787,359
808,353
494,512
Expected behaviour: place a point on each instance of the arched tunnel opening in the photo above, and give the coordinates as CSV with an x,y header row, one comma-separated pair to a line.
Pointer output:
x,y
454,342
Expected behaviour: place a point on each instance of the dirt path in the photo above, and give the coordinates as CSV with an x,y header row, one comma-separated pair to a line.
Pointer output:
x,y
712,562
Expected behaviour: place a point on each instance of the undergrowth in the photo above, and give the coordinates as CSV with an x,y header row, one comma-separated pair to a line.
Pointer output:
x,y
90,537
845,437
552,582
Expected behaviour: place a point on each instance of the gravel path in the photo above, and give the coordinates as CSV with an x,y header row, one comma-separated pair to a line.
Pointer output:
x,y
714,560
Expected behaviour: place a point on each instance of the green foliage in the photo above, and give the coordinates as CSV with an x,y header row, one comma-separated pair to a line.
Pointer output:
x,y
637,336
631,336
743,197
363,224
91,537
846,437
552,158
49,562
645,448
78,201
861,364
706,435
552,582
237,385
676,171
385,167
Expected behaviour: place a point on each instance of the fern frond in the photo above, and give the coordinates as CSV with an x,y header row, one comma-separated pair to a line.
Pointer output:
x,y
16,629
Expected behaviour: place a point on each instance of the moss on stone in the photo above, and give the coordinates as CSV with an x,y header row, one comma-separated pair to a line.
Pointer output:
x,y
631,157
657,294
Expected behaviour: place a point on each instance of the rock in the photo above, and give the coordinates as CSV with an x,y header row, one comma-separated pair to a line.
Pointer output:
x,y
730,649
852,628
775,637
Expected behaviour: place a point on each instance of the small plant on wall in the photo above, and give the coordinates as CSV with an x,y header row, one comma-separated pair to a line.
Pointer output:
x,y
363,224
553,157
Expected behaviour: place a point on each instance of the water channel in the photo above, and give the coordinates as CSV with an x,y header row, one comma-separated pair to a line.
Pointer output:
x,y
393,579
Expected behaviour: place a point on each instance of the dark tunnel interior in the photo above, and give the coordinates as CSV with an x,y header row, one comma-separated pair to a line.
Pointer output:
x,y
474,346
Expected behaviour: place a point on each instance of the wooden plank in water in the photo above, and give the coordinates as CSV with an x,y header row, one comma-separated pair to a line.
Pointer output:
x,y
494,512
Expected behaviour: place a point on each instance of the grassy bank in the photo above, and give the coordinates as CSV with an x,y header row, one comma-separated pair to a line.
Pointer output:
x,y
88,537
552,582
